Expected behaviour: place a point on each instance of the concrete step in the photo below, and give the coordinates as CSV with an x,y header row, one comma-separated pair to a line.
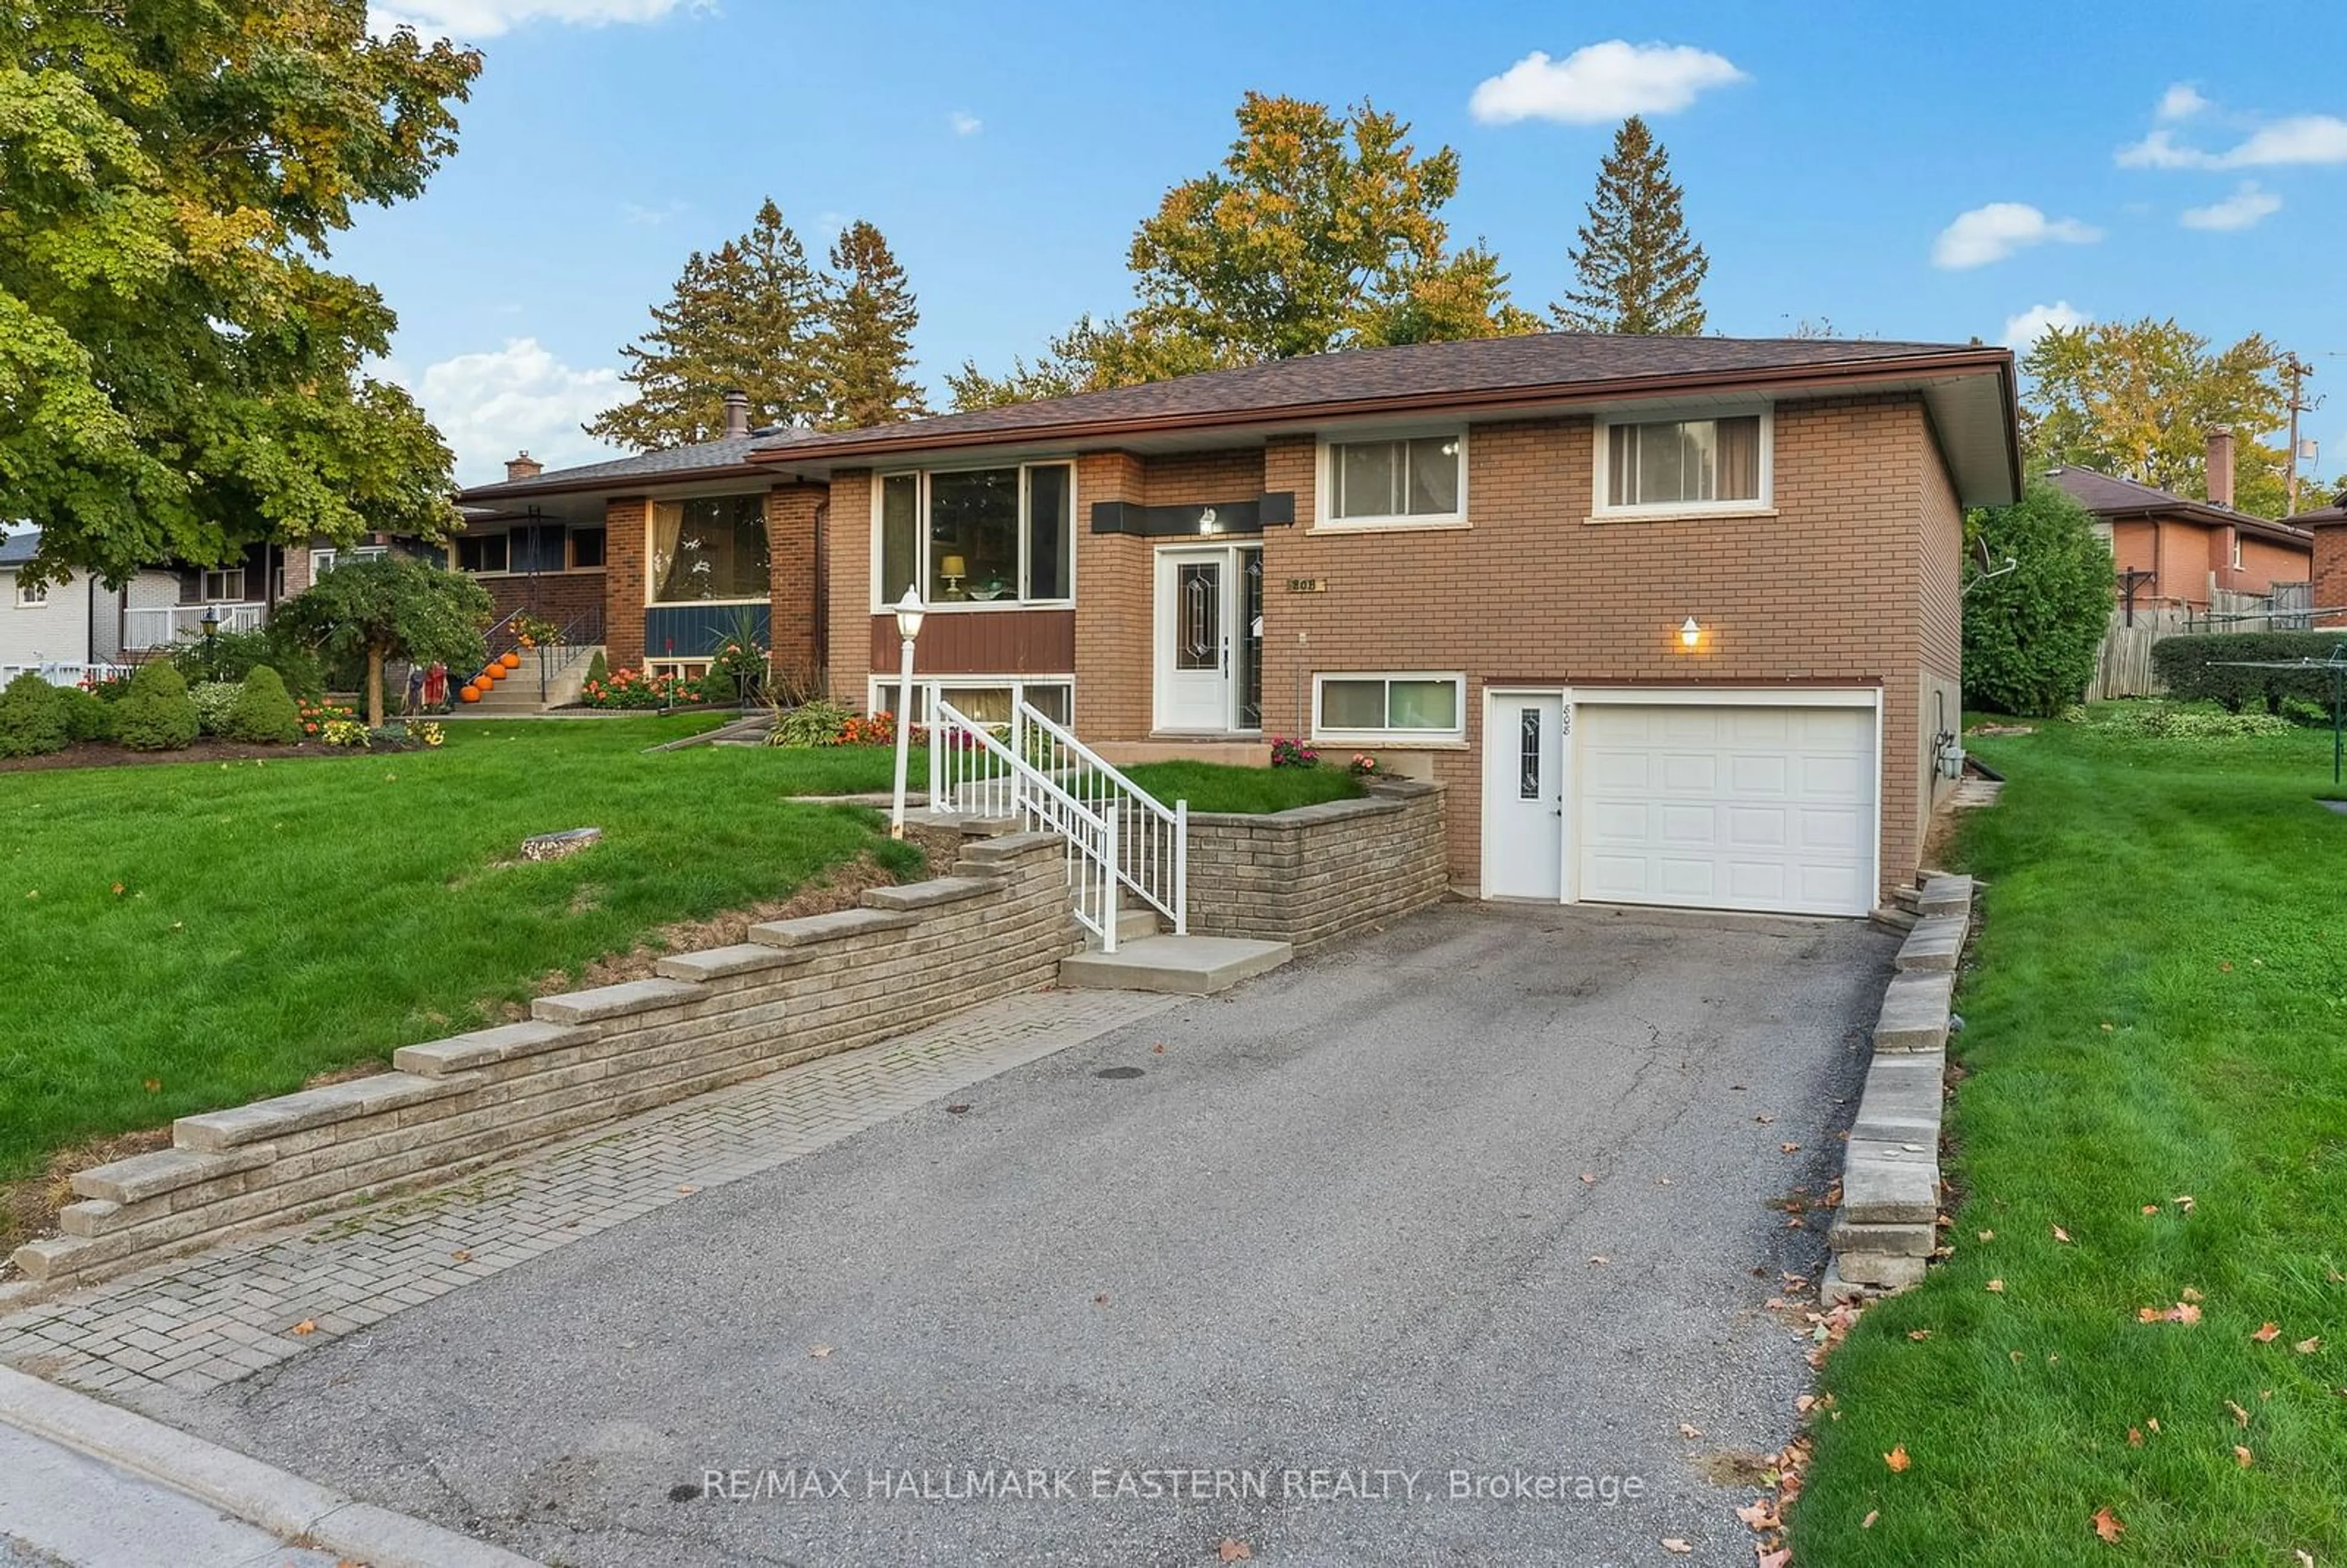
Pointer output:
x,y
1184,965
1935,942
1134,926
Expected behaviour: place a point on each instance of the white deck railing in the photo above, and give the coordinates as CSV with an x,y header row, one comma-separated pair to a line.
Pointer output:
x,y
972,771
1152,838
62,674
159,626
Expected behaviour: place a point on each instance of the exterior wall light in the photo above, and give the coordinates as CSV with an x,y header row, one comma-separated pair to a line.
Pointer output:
x,y
1206,524
1690,634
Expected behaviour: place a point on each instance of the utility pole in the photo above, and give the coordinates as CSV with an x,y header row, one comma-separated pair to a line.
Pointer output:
x,y
2294,371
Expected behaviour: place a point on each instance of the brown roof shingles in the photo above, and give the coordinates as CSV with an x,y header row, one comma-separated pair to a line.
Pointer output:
x,y
2107,495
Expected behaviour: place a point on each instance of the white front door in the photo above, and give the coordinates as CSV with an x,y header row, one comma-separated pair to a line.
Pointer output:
x,y
1198,609
1523,795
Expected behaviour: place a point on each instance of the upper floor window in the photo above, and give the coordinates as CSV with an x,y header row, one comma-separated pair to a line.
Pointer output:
x,y
977,536
713,546
586,547
223,584
1683,465
31,595
1413,480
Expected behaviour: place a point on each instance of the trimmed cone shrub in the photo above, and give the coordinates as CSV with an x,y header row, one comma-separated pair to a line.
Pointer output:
x,y
32,717
89,716
598,669
156,714
264,713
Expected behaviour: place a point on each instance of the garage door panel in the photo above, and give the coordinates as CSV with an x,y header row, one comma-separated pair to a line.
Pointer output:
x,y
1728,806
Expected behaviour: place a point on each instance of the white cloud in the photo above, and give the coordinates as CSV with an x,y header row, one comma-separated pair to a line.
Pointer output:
x,y
2022,331
644,217
488,406
964,123
473,20
2243,208
2181,102
1601,82
2301,138
1993,233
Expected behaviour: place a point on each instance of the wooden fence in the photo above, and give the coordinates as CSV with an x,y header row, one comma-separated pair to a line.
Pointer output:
x,y
2122,667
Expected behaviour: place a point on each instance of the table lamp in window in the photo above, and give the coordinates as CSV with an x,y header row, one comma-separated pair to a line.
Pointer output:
x,y
953,568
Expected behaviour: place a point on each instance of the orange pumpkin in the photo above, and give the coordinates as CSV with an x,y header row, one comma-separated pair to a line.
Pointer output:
x,y
511,660
469,693
490,676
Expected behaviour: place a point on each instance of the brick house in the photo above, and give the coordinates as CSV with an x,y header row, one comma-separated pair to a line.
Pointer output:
x,y
1674,619
2328,524
2175,552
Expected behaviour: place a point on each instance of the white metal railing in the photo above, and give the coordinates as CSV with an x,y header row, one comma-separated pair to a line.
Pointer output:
x,y
159,626
971,771
1152,838
63,674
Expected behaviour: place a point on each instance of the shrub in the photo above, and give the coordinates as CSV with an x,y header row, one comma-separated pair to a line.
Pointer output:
x,y
32,717
213,699
89,717
264,713
2168,722
1287,754
157,714
598,669
2031,634
233,655
819,722
2200,666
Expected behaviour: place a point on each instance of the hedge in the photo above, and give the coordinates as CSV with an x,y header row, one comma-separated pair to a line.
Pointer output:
x,y
2205,665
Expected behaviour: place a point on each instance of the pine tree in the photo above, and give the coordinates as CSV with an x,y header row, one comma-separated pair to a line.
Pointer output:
x,y
1638,270
865,352
748,315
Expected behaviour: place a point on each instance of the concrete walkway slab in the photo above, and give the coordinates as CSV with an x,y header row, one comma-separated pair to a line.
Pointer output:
x,y
1181,966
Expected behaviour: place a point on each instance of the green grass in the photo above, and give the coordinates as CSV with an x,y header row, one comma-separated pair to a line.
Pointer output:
x,y
1218,786
283,918
2157,1010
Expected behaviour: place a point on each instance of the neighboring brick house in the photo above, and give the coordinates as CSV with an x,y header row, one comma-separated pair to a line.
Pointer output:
x,y
2328,526
2172,551
1675,619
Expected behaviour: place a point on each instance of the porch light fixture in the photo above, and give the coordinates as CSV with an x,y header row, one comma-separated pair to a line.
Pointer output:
x,y
1690,634
1206,524
909,616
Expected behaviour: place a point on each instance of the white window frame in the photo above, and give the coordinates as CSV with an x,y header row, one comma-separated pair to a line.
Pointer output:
x,y
2236,549
31,595
223,573
880,691
1601,463
1452,738
1323,485
885,599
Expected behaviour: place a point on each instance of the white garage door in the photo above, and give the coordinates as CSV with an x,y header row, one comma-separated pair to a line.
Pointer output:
x,y
1728,807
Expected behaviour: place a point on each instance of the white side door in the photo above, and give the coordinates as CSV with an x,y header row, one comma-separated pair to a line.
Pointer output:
x,y
1197,627
1524,795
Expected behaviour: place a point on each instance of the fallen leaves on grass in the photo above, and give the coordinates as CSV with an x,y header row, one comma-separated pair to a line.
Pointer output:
x,y
2242,1456
1897,1458
153,1086
2151,1208
2183,1201
1994,1288
2309,1347
2182,1312
1872,1515
2108,1526
2268,1334
1919,1335
2241,1416
1231,1551
1988,1236
2135,1436
2060,1235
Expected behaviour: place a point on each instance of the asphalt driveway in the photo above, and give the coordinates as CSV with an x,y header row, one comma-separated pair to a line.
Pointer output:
x,y
1480,1200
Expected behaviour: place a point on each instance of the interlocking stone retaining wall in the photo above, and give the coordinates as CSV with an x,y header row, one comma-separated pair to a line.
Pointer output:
x,y
1887,1231
1319,872
798,989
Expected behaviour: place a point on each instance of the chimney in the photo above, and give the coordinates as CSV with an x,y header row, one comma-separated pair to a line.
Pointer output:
x,y
2220,465
737,413
523,468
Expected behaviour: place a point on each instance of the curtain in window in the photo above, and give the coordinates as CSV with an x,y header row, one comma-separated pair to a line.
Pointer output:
x,y
1739,459
668,529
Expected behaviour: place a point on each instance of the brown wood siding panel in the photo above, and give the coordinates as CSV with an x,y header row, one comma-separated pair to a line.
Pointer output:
x,y
983,643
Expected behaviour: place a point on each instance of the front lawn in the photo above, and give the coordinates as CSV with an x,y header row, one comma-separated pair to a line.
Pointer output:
x,y
181,938
1218,786
2153,1040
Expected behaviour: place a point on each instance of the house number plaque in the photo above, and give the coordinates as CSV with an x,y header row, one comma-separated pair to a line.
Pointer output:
x,y
1307,585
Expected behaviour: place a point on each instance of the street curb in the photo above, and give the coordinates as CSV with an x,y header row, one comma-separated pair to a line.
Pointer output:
x,y
259,1493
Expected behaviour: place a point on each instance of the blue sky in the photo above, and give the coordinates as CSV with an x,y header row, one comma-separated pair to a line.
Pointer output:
x,y
1905,172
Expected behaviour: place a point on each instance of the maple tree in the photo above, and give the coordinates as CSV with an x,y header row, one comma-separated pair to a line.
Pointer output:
x,y
181,375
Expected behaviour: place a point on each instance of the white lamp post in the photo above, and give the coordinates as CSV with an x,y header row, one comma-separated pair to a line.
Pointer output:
x,y
908,627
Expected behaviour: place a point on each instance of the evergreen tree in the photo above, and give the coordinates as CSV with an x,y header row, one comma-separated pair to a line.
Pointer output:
x,y
1638,270
747,315
867,349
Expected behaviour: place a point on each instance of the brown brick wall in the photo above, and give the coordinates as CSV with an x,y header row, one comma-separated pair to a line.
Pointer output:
x,y
1202,479
791,575
560,596
850,542
2329,569
2265,562
1310,876
1824,593
1115,589
626,524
